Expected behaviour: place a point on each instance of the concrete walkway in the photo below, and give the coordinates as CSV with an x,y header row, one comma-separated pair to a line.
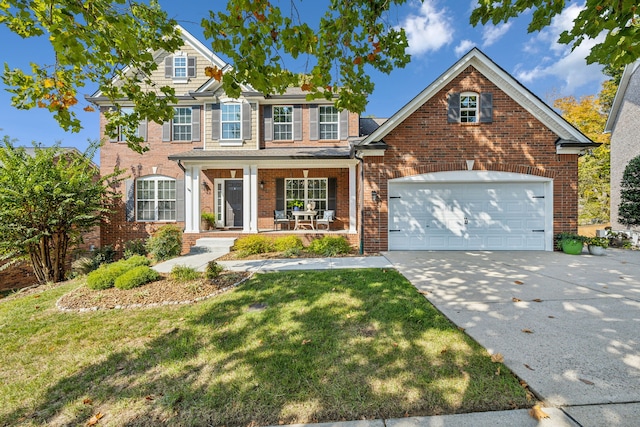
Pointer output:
x,y
582,356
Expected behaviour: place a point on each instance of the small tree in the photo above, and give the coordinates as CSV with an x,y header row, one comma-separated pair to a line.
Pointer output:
x,y
48,198
629,209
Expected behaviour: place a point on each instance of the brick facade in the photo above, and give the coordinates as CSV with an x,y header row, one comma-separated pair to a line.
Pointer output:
x,y
515,141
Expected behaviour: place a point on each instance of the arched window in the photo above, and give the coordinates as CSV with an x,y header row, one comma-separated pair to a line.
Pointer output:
x,y
155,198
469,103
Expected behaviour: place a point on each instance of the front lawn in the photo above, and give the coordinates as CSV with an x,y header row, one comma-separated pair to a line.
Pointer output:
x,y
280,348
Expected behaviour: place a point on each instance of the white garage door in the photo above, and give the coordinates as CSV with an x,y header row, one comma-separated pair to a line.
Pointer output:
x,y
466,216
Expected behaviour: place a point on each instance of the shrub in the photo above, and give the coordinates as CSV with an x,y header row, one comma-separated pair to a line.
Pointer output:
x,y
292,252
254,244
213,270
137,276
166,243
284,243
84,265
134,247
182,273
94,259
105,276
330,246
103,255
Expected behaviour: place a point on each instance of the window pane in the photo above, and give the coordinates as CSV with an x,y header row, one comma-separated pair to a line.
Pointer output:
x,y
156,199
283,123
468,108
182,124
231,121
180,66
329,119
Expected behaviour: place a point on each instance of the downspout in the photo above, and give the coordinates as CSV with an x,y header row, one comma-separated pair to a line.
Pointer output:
x,y
181,166
361,197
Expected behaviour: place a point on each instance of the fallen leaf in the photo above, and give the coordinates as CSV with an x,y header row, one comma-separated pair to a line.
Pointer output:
x,y
536,300
87,401
36,296
498,371
460,328
149,397
304,342
37,307
514,299
537,413
423,292
94,420
349,316
552,317
587,382
529,367
527,331
518,282
444,350
395,344
497,358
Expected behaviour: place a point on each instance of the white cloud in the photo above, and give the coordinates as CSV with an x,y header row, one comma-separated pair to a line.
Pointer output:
x,y
463,47
429,30
564,64
493,33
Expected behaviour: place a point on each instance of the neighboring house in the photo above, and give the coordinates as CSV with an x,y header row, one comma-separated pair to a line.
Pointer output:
x,y
401,184
625,138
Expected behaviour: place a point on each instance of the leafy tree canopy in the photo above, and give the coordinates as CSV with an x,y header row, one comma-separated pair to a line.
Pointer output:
x,y
48,197
617,20
629,209
99,40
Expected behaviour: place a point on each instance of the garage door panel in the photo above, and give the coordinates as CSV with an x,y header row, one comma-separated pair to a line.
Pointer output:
x,y
493,216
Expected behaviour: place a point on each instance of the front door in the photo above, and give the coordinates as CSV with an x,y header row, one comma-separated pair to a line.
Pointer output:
x,y
233,201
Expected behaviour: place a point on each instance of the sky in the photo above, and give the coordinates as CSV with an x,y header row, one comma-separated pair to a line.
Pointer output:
x,y
439,34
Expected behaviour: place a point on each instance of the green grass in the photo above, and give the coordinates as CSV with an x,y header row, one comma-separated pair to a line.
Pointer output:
x,y
316,346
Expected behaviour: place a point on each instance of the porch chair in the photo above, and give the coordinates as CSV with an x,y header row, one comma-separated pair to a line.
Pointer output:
x,y
326,220
280,217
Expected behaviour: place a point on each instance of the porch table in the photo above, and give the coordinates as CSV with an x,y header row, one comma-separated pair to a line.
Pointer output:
x,y
304,218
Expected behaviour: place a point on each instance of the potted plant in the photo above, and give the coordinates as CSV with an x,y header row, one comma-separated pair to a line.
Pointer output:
x,y
597,245
570,243
208,220
295,204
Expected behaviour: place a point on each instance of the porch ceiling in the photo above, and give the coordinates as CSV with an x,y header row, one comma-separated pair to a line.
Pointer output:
x,y
289,153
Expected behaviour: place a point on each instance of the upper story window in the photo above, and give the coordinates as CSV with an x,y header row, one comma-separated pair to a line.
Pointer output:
x,y
328,122
181,129
283,123
155,198
180,67
469,107
231,121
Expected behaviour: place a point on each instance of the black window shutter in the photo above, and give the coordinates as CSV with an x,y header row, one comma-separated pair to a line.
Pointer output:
x,y
191,66
314,119
129,203
486,107
179,199
280,194
332,193
246,121
195,123
168,67
297,123
268,123
453,112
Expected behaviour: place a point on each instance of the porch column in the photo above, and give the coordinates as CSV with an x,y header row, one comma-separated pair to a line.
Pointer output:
x,y
353,197
192,199
249,199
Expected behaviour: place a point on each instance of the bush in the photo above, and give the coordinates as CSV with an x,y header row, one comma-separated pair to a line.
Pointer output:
x,y
94,259
134,247
254,244
166,243
84,265
284,243
182,273
104,255
105,276
137,276
213,270
292,252
330,246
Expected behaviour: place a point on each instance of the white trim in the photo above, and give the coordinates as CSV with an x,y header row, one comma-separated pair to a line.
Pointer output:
x,y
155,178
192,199
253,200
352,199
273,164
246,199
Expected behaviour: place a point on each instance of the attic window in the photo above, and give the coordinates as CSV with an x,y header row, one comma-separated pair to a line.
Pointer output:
x,y
180,67
469,107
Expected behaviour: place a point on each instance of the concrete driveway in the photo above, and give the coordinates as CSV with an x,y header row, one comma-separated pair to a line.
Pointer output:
x,y
568,325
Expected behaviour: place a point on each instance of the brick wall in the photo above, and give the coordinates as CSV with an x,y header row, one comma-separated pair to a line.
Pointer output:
x,y
514,142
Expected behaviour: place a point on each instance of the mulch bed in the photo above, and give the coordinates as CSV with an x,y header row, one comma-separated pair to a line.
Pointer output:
x,y
161,292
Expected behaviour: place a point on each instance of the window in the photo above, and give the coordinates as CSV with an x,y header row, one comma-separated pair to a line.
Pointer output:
x,y
156,199
329,119
231,121
283,123
307,190
180,66
468,107
182,124
121,134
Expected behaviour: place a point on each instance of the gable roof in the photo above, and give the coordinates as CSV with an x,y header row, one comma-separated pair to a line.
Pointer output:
x,y
569,136
629,70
